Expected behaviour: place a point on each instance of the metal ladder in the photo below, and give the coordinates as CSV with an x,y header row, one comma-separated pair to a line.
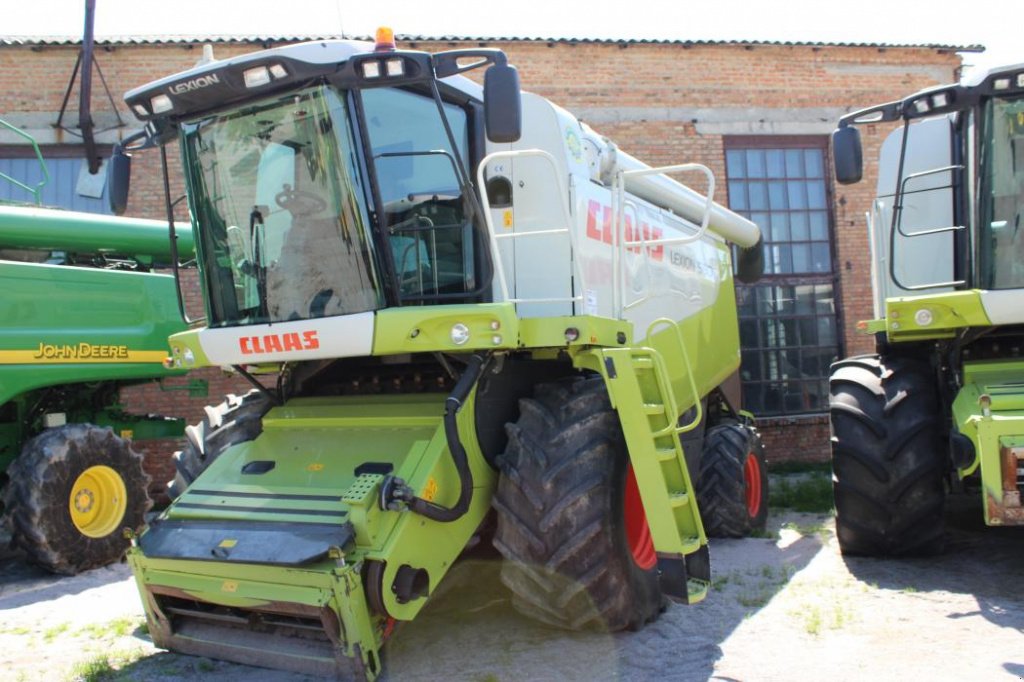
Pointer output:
x,y
640,389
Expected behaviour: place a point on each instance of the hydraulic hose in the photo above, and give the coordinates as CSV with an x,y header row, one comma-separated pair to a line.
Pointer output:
x,y
452,405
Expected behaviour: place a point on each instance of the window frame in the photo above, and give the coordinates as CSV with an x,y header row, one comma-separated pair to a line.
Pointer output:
x,y
771,280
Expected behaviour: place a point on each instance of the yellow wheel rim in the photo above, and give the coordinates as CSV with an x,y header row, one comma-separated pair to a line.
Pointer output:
x,y
98,501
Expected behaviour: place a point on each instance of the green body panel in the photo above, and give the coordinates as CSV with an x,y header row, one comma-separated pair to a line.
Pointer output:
x,y
69,325
943,315
991,427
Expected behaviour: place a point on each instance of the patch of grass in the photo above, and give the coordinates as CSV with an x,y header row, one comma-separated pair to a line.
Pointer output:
x,y
812,621
763,533
52,633
756,598
205,665
719,582
103,666
17,630
93,670
118,627
812,494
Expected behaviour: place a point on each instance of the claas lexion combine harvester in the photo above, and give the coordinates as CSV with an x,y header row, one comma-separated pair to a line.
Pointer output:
x,y
939,408
468,301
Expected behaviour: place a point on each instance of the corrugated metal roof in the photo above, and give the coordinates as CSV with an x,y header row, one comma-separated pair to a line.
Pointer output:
x,y
29,41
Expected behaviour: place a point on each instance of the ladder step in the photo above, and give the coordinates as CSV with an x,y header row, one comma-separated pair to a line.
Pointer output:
x,y
666,454
679,499
690,545
654,408
643,362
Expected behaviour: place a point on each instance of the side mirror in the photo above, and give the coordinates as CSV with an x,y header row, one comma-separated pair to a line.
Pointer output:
x,y
503,117
119,175
847,155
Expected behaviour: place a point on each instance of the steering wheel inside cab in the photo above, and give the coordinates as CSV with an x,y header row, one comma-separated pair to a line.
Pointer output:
x,y
299,203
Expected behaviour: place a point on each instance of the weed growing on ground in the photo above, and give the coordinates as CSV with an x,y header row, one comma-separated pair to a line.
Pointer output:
x,y
56,631
17,630
118,627
103,666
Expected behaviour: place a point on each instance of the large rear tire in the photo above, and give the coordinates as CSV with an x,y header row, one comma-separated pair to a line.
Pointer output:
x,y
576,545
732,492
72,492
888,457
236,420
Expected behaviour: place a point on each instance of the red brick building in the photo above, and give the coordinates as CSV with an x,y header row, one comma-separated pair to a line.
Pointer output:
x,y
758,114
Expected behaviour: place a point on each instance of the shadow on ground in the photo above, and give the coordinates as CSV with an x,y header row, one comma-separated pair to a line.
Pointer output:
x,y
976,561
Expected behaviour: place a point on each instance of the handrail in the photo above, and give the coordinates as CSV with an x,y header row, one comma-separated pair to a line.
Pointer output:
x,y
34,191
495,237
897,227
622,244
663,372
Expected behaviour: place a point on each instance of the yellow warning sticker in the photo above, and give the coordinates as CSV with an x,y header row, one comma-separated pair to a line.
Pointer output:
x,y
315,466
429,490
127,433
229,586
228,543
506,218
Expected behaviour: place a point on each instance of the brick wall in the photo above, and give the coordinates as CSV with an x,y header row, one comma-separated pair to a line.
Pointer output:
x,y
662,103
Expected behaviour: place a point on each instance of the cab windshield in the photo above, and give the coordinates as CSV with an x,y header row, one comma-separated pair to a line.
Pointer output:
x,y
1001,245
278,196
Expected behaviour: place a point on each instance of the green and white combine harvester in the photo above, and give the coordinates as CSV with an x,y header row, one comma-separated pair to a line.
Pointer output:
x,y
84,316
467,300
939,407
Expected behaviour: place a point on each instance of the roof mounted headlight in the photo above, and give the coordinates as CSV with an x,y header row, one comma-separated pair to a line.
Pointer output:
x,y
257,76
161,103
395,67
371,69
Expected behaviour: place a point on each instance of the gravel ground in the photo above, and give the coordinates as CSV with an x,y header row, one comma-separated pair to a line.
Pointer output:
x,y
788,607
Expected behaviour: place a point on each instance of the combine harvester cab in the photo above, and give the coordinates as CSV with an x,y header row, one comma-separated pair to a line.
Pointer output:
x,y
556,340
940,407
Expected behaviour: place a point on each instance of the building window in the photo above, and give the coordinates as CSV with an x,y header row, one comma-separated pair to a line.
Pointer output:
x,y
789,320
70,185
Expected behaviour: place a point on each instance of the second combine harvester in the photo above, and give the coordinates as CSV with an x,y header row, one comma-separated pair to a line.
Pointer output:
x,y
471,301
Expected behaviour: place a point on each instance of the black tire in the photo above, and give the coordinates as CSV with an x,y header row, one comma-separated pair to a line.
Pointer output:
x,y
38,497
733,498
561,526
236,420
888,457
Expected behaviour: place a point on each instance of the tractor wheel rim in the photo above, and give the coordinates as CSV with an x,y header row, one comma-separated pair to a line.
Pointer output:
x,y
752,483
98,501
638,533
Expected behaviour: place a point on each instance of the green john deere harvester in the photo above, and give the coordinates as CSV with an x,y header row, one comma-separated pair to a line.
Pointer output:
x,y
469,301
939,407
82,317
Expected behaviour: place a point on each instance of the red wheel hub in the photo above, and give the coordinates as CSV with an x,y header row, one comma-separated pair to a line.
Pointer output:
x,y
638,533
752,480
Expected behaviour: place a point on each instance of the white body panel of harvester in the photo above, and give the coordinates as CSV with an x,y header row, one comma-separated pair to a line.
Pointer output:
x,y
648,245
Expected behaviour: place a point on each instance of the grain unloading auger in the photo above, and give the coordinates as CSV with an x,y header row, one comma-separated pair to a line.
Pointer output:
x,y
556,342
